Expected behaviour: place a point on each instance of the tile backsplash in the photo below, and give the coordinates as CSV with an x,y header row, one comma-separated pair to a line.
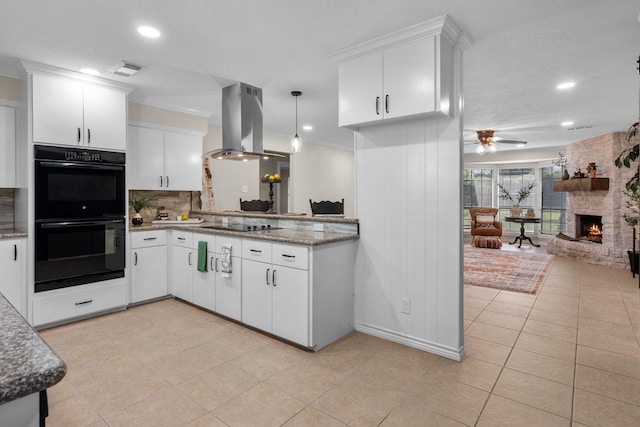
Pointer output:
x,y
174,202
6,209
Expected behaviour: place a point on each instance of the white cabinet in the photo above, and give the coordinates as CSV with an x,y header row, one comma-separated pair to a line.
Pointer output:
x,y
168,160
12,266
275,289
148,265
204,282
72,112
183,261
7,147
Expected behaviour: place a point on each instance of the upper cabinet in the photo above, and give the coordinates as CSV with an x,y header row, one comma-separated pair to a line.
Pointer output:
x,y
404,74
7,147
164,160
77,113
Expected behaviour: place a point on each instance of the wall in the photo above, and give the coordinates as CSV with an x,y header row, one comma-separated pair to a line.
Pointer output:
x,y
11,91
141,113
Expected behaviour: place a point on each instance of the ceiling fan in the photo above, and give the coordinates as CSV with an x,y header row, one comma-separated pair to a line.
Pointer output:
x,y
487,141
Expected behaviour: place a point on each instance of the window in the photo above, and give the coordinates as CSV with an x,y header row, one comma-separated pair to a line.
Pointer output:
x,y
476,184
512,180
554,204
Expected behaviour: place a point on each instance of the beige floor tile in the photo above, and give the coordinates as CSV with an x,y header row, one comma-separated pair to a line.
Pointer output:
x,y
556,288
262,405
542,366
72,411
559,298
525,300
608,384
510,309
218,385
572,309
207,420
502,320
312,417
607,361
115,366
491,352
559,349
551,330
466,323
615,314
182,366
417,415
158,349
169,407
480,292
63,390
534,391
605,341
492,333
505,412
473,372
567,320
470,301
470,312
234,345
268,360
600,411
305,381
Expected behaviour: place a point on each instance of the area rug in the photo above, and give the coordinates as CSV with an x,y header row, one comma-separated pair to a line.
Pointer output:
x,y
499,269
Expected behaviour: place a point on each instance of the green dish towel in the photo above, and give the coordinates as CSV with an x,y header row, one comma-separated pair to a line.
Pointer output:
x,y
202,256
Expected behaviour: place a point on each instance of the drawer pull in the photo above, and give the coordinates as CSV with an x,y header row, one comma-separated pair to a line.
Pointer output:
x,y
182,238
256,251
79,134
217,270
15,252
89,301
273,278
167,177
161,182
136,258
288,256
88,136
267,276
377,105
150,238
189,258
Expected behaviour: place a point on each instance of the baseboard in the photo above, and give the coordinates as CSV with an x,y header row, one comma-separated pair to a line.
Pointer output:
x,y
456,354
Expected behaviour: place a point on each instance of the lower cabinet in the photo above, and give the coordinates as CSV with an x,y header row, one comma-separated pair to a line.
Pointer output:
x,y
148,265
183,261
12,285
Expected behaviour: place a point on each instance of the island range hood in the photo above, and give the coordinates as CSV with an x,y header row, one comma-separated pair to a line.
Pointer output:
x,y
241,123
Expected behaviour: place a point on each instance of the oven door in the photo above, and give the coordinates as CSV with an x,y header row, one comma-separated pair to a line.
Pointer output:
x,y
77,190
75,252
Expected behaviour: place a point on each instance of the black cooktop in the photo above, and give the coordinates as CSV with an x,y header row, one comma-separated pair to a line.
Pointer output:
x,y
241,227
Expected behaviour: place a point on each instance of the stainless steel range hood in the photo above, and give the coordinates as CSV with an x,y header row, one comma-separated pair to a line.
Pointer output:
x,y
241,123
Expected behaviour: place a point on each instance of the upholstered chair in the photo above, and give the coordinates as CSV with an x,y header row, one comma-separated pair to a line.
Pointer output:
x,y
485,222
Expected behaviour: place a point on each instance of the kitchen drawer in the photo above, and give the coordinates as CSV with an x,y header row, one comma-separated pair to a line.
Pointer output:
x,y
67,304
145,239
202,237
290,256
257,250
234,242
182,238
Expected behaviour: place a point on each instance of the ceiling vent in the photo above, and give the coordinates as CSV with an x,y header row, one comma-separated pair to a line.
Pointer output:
x,y
125,69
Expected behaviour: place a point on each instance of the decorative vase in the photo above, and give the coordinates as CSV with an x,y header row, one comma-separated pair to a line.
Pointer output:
x,y
137,219
516,210
565,174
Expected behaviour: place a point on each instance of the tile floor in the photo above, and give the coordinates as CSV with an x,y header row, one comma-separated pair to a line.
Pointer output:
x,y
566,357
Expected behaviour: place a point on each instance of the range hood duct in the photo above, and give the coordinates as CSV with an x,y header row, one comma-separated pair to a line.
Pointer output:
x,y
241,123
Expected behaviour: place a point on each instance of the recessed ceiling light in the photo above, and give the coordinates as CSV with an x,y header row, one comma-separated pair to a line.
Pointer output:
x,y
148,32
245,160
307,127
265,157
90,71
566,123
566,85
521,145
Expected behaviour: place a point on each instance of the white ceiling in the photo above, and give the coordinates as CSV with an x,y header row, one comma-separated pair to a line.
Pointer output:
x,y
521,50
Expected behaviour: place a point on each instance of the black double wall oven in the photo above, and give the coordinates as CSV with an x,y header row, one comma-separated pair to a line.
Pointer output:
x,y
79,216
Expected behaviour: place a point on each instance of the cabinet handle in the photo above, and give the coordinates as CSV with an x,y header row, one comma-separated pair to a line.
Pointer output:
x,y
273,277
267,276
135,258
211,264
15,252
88,136
377,105
181,238
161,183
256,251
79,135
150,238
217,270
386,103
167,179
89,301
288,256
189,258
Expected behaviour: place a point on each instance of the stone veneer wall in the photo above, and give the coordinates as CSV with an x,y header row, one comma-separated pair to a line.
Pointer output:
x,y
611,205
175,202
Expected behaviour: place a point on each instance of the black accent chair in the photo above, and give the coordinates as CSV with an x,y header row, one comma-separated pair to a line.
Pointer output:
x,y
254,205
327,208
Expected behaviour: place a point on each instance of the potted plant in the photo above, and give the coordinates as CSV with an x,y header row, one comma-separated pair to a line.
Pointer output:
x,y
139,203
521,195
562,162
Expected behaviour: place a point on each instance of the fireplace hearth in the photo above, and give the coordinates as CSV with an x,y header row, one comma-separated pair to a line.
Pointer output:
x,y
589,227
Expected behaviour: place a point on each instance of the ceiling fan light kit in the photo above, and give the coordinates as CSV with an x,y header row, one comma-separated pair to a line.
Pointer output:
x,y
487,141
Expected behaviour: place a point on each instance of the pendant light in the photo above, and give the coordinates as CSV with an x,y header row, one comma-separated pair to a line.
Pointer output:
x,y
296,142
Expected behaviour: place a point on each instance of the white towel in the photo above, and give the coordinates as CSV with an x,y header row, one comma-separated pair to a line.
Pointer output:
x,y
225,261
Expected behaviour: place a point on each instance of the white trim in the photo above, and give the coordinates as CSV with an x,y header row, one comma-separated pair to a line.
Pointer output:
x,y
164,128
409,341
184,110
37,68
10,103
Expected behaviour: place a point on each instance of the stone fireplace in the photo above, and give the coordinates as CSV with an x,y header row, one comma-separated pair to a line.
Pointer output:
x,y
596,230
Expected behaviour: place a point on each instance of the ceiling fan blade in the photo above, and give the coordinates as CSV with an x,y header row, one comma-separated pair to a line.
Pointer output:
x,y
509,141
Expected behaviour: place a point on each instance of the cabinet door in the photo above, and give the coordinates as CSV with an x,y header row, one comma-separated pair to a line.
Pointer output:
x,y
410,78
204,283
11,268
256,294
360,97
7,147
183,161
229,290
291,304
105,118
182,264
145,159
57,110
148,279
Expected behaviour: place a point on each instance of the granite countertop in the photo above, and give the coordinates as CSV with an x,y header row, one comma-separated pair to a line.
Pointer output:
x,y
287,216
27,363
11,234
284,235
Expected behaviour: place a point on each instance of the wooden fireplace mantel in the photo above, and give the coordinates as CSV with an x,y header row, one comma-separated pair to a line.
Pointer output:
x,y
582,184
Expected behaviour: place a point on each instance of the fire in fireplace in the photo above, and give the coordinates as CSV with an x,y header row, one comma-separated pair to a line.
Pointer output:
x,y
589,227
